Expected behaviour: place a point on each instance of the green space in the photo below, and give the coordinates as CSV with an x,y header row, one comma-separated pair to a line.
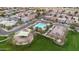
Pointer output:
x,y
2,37
42,43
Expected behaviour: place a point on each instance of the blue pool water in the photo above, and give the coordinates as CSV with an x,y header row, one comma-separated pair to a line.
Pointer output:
x,y
40,25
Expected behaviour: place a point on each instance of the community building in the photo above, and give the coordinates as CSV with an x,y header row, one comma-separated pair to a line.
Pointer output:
x,y
23,37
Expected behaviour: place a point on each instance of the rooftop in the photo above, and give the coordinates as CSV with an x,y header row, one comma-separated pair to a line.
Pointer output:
x,y
23,32
8,23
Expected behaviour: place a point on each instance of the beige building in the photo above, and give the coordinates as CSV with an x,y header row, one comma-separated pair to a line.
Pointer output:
x,y
23,37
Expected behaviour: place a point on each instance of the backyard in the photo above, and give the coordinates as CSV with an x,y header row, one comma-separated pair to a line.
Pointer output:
x,y
42,43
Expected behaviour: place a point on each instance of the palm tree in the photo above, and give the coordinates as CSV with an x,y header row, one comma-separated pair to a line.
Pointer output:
x,y
11,39
76,12
73,27
11,35
9,27
20,21
40,12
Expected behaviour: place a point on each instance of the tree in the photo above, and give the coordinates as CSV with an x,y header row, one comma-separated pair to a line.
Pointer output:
x,y
20,21
11,39
9,27
76,12
11,35
73,28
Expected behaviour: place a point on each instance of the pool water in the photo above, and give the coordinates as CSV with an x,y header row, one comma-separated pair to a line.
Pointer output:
x,y
40,25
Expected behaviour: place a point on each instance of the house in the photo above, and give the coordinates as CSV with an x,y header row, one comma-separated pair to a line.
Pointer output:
x,y
25,19
8,23
2,13
62,20
23,37
51,17
75,20
32,15
1,19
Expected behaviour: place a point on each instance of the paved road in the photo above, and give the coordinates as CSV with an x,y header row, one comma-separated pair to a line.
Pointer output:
x,y
22,26
2,32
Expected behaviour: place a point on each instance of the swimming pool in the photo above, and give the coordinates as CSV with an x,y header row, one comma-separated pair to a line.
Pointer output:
x,y
40,25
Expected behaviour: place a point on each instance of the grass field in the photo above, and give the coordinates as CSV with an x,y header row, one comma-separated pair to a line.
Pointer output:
x,y
42,43
2,37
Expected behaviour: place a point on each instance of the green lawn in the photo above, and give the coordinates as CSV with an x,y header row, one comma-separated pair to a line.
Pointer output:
x,y
42,43
2,37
